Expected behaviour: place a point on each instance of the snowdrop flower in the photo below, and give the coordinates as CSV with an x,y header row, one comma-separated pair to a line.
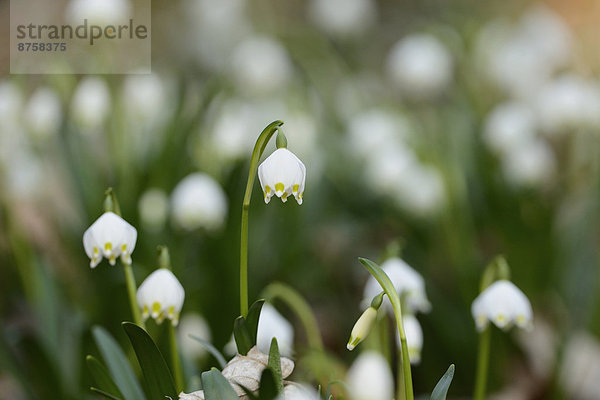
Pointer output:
x,y
414,338
282,174
420,66
362,327
508,126
503,304
90,104
153,207
370,378
195,325
98,12
198,201
271,325
43,113
530,165
260,64
408,283
161,296
110,236
343,17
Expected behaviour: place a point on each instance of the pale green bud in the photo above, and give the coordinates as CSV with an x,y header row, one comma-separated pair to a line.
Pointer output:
x,y
362,328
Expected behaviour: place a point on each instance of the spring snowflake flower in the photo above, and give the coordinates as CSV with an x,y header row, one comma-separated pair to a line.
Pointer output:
x,y
193,324
508,126
110,236
370,378
414,338
362,327
503,304
271,325
161,296
343,18
198,201
90,104
282,174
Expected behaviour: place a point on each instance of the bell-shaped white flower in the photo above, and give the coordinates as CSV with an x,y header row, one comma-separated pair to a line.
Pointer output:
x,y
282,174
110,236
503,304
370,378
271,325
161,296
408,282
414,338
192,324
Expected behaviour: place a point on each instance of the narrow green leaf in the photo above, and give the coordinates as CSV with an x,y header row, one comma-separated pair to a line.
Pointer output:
x,y
252,319
101,378
212,350
441,389
275,365
216,387
268,385
158,378
104,394
243,338
117,364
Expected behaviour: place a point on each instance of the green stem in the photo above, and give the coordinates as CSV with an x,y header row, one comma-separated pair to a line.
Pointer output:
x,y
175,358
400,392
131,292
297,303
408,386
259,147
483,360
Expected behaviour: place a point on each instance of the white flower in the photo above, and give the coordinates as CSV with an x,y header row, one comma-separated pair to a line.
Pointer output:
x,y
144,97
282,174
532,164
98,12
343,17
90,104
271,325
508,126
195,325
414,338
407,282
362,327
161,296
198,201
580,367
43,113
11,101
261,65
420,66
110,236
503,304
153,207
370,378
420,190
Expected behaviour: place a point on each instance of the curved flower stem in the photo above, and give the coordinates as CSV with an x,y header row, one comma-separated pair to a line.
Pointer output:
x,y
175,359
297,303
131,292
483,360
259,147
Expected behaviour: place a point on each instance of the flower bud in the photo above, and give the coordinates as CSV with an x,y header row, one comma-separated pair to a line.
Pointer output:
x,y
362,328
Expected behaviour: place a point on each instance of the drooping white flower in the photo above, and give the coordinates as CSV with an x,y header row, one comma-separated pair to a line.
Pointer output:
x,y
260,65
420,66
98,12
503,304
414,338
343,18
153,207
43,113
198,201
90,104
532,164
161,296
508,126
370,378
195,325
282,174
408,283
271,325
110,236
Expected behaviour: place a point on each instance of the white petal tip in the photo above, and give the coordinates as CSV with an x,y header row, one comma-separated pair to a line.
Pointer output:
x,y
350,346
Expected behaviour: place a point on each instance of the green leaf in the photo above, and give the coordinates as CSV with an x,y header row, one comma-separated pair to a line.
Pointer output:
x,y
118,366
275,365
159,381
268,385
243,338
252,319
212,350
216,387
104,394
441,389
101,377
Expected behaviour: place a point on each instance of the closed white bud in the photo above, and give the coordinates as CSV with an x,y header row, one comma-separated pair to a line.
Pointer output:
x,y
282,174
110,237
362,327
161,296
198,201
503,304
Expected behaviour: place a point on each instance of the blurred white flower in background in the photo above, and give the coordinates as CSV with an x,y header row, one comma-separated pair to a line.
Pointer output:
x,y
294,391
198,201
11,102
260,65
532,164
25,173
193,324
343,18
161,296
43,114
110,236
408,283
98,12
282,174
504,304
580,369
271,325
414,338
90,103
421,191
153,207
509,126
370,378
420,66
144,98
569,103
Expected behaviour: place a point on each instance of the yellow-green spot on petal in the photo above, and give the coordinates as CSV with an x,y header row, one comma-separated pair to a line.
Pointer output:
x,y
279,187
171,312
284,197
156,308
295,188
108,247
124,248
96,250
145,311
267,189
